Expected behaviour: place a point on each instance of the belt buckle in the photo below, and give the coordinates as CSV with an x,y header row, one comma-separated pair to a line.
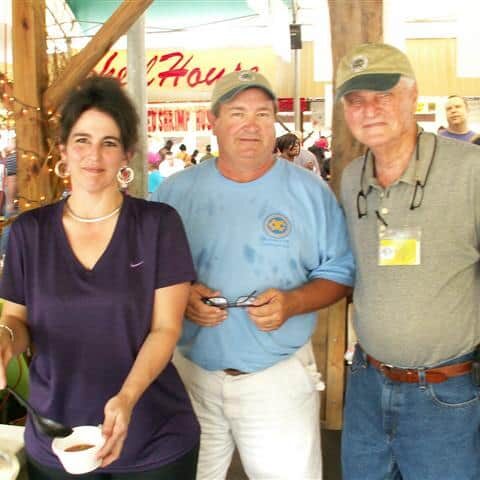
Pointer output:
x,y
397,373
385,366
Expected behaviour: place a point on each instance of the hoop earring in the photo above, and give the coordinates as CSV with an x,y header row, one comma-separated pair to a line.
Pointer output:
x,y
125,176
61,169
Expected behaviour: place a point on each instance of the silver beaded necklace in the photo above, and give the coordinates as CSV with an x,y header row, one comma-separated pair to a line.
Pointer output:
x,y
93,219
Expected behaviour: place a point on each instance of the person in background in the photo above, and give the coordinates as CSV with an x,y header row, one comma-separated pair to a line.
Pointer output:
x,y
288,146
4,229
97,284
183,155
3,176
154,177
208,154
308,160
10,207
456,110
170,165
193,158
324,163
322,143
167,148
11,189
412,406
270,247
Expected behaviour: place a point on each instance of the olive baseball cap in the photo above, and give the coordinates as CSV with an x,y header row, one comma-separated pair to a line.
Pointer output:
x,y
235,82
371,66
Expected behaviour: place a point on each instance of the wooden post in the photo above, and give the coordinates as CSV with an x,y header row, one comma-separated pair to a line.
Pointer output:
x,y
351,23
136,84
30,81
335,365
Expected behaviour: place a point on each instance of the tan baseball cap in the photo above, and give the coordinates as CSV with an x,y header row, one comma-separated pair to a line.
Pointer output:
x,y
233,83
371,66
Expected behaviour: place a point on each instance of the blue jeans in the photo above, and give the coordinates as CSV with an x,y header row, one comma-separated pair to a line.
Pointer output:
x,y
410,431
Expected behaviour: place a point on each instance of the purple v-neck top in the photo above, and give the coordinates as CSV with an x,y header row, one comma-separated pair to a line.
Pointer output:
x,y
87,327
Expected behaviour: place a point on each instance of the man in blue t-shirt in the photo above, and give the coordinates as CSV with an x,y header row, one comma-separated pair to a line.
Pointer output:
x,y
270,248
456,110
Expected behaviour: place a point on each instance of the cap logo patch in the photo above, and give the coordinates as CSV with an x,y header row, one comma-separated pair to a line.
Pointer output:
x,y
246,76
359,63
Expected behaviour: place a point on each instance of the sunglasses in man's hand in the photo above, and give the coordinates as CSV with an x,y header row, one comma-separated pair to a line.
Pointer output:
x,y
222,302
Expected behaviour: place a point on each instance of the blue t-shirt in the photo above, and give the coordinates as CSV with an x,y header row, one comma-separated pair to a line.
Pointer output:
x,y
154,180
87,327
279,231
462,137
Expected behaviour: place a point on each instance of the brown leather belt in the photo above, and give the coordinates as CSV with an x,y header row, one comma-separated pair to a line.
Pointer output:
x,y
234,372
411,375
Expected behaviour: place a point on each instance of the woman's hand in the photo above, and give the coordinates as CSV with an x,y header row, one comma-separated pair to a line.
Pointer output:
x,y
118,411
14,337
6,354
154,355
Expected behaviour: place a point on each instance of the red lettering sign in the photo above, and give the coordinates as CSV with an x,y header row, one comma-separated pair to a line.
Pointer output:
x,y
167,120
172,69
201,121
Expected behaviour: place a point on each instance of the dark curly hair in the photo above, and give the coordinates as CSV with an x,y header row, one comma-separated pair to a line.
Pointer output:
x,y
287,141
106,95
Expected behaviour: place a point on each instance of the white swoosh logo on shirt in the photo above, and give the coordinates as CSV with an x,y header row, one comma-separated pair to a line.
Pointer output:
x,y
134,265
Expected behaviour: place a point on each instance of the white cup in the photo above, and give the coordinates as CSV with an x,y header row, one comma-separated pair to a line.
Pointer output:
x,y
9,466
80,461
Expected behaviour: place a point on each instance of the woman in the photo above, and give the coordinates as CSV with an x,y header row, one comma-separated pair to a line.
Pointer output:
x,y
98,284
288,145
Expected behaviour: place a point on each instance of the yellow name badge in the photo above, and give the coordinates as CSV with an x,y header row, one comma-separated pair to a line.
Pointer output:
x,y
399,246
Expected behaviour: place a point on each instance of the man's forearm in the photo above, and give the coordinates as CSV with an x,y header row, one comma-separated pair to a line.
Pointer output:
x,y
314,295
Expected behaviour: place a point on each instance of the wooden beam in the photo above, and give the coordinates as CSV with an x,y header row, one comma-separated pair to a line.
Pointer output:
x,y
137,81
83,63
30,81
335,372
319,343
351,23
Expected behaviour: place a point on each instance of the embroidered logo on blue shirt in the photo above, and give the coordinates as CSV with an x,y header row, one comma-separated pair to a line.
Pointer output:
x,y
277,226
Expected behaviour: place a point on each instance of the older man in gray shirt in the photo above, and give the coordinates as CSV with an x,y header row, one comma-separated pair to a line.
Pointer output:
x,y
413,403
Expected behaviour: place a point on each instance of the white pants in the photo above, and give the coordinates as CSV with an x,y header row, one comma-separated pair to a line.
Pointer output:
x,y
272,416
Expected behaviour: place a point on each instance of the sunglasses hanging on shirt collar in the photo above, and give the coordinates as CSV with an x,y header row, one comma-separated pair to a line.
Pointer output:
x,y
417,197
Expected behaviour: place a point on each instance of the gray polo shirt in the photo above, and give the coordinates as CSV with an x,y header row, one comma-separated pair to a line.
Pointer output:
x,y
420,315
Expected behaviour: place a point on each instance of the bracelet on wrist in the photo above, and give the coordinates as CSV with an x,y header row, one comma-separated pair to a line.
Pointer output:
x,y
9,330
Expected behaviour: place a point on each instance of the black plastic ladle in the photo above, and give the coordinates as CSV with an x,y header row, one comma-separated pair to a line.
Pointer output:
x,y
49,427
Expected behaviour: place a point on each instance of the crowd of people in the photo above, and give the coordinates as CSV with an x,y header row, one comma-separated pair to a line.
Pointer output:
x,y
183,325
8,178
8,190
164,163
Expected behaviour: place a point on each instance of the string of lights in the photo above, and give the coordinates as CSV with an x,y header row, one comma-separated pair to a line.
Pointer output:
x,y
14,108
11,102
